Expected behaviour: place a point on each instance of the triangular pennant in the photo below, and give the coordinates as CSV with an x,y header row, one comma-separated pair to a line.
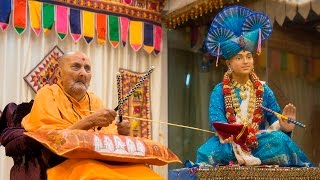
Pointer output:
x,y
280,12
35,16
136,35
47,17
20,15
157,39
113,30
124,24
75,24
315,5
304,9
291,10
148,37
101,27
61,21
5,11
128,2
88,26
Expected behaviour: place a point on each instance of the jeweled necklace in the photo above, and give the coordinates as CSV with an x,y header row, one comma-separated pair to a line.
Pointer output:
x,y
253,126
243,88
236,104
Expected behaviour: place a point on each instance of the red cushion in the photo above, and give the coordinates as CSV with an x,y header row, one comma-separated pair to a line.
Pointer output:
x,y
226,130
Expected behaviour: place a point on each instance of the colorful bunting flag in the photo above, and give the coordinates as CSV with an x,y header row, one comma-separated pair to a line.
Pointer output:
x,y
129,2
43,15
5,11
124,24
302,64
113,30
297,65
75,24
148,38
261,59
292,63
157,39
61,21
135,35
35,16
47,17
310,75
20,15
283,61
275,58
88,26
316,69
101,27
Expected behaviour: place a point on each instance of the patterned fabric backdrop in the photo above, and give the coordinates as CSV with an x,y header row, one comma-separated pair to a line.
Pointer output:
x,y
138,105
44,72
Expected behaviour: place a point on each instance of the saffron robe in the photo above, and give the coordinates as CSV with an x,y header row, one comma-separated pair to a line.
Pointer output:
x,y
53,108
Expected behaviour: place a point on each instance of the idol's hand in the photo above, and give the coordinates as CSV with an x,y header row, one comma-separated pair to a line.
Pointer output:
x,y
289,111
124,127
228,140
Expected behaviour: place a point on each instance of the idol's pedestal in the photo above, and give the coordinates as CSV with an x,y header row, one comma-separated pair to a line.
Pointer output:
x,y
243,172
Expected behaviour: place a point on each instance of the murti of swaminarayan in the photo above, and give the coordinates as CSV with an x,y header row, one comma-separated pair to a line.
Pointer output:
x,y
232,105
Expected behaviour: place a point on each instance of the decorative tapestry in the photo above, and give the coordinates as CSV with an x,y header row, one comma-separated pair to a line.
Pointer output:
x,y
138,105
44,72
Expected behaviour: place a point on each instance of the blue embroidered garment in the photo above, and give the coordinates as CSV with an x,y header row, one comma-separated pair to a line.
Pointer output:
x,y
275,147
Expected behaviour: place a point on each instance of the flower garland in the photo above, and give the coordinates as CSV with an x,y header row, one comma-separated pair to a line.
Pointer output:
x,y
253,128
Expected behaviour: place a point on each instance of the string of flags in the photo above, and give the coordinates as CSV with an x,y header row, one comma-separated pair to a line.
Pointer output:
x,y
117,22
292,64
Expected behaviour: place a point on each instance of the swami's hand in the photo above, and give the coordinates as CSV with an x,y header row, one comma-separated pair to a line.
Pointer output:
x,y
124,128
103,117
290,111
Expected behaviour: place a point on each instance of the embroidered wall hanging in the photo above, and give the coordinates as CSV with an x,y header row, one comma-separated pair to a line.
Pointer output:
x,y
44,72
138,105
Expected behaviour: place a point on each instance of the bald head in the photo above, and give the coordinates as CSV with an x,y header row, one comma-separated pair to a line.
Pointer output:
x,y
72,55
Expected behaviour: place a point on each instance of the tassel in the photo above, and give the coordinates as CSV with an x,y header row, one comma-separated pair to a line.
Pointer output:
x,y
259,43
218,55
